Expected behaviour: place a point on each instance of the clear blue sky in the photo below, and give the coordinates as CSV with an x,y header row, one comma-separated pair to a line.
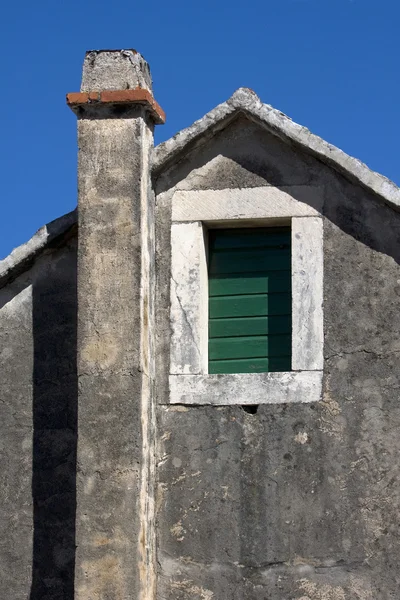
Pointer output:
x,y
331,65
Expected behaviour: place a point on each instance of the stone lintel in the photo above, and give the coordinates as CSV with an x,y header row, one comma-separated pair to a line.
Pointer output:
x,y
77,100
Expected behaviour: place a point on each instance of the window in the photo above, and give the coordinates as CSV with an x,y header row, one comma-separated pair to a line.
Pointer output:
x,y
249,286
246,291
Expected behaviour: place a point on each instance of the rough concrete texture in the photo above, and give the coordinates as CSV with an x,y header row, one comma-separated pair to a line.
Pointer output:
x,y
114,70
114,370
38,394
298,501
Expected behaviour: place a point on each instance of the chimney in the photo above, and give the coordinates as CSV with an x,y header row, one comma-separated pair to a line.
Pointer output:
x,y
115,526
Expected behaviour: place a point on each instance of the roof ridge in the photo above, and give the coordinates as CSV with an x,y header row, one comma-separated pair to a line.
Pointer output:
x,y
246,100
243,100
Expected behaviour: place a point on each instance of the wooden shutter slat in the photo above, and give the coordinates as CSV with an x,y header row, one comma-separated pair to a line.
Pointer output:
x,y
256,346
249,261
240,238
250,300
250,365
245,326
250,305
258,283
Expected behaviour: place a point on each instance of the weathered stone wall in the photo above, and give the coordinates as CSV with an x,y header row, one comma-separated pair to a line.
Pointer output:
x,y
38,393
294,501
299,501
115,455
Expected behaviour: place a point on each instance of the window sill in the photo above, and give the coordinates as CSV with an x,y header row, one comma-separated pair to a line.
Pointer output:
x,y
246,388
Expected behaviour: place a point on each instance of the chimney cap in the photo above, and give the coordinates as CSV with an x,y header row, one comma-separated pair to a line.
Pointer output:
x,y
115,70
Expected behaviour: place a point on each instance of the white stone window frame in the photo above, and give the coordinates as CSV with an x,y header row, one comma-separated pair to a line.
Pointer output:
x,y
193,213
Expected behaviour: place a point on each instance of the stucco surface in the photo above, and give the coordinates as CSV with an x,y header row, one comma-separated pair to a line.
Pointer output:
x,y
296,501
114,370
38,394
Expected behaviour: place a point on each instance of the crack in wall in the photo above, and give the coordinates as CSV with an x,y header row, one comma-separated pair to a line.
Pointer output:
x,y
185,317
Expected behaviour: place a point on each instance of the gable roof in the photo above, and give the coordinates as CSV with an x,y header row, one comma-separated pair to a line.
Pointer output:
x,y
244,101
247,102
22,257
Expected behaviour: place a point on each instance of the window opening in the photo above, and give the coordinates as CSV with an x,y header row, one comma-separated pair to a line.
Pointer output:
x,y
250,320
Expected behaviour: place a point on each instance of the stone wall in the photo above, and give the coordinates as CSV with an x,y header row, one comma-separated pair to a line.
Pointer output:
x,y
38,392
294,501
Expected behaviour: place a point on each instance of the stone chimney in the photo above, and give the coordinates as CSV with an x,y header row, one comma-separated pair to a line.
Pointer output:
x,y
115,529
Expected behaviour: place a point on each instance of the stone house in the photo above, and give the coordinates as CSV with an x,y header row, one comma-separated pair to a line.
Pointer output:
x,y
200,368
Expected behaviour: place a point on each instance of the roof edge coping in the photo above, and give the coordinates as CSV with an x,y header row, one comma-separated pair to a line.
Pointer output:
x,y
246,101
243,100
24,255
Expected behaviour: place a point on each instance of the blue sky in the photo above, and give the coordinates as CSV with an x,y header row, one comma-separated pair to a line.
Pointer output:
x,y
331,65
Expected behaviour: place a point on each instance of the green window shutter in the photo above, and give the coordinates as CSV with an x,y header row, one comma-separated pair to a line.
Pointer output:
x,y
250,321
